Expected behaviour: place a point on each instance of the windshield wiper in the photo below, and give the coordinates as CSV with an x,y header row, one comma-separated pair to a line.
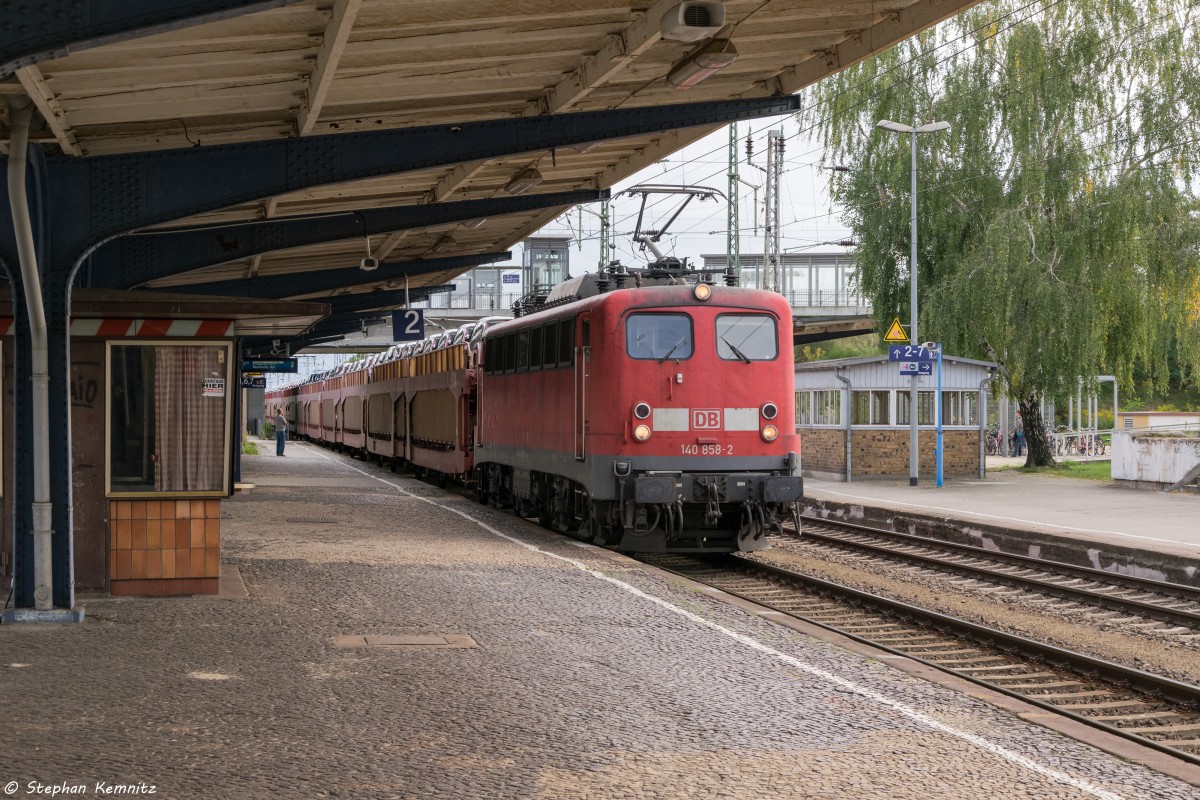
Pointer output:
x,y
736,352
674,347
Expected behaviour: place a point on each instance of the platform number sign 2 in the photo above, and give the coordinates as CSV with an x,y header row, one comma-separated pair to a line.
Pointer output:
x,y
408,325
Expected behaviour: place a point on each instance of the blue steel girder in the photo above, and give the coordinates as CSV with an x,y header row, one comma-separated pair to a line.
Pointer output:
x,y
344,326
338,321
38,31
279,346
128,261
327,280
91,200
365,301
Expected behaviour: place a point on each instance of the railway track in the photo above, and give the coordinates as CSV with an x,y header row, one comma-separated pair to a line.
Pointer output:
x,y
1122,599
1152,710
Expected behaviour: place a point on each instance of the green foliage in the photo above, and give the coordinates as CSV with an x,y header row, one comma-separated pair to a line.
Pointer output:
x,y
1058,231
850,347
268,429
249,448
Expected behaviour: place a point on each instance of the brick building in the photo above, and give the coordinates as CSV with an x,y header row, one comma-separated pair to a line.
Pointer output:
x,y
853,418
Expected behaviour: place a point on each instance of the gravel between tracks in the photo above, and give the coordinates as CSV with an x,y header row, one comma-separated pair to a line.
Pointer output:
x,y
1074,630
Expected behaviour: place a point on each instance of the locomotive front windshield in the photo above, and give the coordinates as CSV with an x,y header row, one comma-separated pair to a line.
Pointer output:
x,y
658,336
747,337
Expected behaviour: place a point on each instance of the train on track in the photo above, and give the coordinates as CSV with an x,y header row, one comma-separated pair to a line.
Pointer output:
x,y
640,410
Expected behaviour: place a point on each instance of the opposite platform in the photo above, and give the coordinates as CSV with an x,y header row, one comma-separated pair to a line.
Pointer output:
x,y
508,663
1091,523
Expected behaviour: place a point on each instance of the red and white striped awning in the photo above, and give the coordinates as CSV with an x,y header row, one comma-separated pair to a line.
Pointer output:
x,y
142,328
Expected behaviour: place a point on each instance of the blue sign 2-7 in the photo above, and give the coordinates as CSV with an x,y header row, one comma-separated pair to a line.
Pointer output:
x,y
408,325
911,352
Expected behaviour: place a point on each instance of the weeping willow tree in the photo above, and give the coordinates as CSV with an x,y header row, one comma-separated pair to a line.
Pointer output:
x,y
1057,219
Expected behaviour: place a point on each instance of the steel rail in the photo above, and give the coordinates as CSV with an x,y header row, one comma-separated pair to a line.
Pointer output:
x,y
1103,599
1183,591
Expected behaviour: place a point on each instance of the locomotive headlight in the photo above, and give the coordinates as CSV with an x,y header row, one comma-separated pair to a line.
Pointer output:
x,y
641,410
641,433
770,433
702,291
770,411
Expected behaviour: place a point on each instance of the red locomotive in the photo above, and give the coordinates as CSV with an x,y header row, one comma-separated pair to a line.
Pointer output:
x,y
651,419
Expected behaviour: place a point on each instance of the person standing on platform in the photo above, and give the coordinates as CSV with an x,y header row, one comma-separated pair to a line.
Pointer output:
x,y
281,429
1019,437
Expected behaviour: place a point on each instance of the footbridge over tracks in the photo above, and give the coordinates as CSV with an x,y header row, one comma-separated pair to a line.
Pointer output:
x,y
304,150
375,335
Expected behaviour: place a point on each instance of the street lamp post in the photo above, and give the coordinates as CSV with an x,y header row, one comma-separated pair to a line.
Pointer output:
x,y
898,127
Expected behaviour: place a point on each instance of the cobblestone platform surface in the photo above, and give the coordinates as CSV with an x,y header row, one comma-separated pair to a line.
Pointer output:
x,y
591,677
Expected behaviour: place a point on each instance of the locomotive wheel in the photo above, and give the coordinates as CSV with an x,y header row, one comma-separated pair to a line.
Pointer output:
x,y
556,507
590,530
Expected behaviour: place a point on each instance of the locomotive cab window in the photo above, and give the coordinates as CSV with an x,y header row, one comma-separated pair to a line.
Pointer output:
x,y
658,336
747,337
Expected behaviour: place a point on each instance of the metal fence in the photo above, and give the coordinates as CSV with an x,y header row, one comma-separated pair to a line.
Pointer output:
x,y
829,299
1081,443
491,300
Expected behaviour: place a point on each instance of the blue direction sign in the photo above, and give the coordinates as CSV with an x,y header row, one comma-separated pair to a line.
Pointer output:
x,y
909,352
408,325
916,367
269,365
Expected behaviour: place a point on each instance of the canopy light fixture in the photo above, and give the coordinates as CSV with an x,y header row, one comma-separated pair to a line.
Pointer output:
x,y
443,244
716,55
583,147
523,181
473,223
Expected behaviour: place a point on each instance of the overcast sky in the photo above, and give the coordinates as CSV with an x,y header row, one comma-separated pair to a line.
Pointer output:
x,y
806,214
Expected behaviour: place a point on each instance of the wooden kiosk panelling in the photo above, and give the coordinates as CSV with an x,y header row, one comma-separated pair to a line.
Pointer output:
x,y
140,541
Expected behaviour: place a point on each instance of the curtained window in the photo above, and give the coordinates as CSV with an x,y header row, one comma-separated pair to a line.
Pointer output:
x,y
168,416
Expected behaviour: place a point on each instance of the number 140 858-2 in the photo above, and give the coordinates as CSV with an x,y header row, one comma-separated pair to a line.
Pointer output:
x,y
706,449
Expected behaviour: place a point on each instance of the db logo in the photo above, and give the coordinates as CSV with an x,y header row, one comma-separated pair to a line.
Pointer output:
x,y
706,419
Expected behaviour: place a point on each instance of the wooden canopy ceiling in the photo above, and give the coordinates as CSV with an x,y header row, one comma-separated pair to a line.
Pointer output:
x,y
325,67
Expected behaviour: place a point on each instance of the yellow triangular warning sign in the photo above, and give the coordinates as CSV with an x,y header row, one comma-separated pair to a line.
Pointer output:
x,y
896,333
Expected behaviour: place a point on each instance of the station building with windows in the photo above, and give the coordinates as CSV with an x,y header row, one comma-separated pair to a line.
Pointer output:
x,y
853,415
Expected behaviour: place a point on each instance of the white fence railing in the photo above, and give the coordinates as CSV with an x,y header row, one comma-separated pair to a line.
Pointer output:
x,y
1081,443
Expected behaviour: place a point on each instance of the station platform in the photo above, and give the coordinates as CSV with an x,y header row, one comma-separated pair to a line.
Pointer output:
x,y
379,637
1077,521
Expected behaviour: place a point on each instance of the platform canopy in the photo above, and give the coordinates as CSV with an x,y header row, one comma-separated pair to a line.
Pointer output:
x,y
269,71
